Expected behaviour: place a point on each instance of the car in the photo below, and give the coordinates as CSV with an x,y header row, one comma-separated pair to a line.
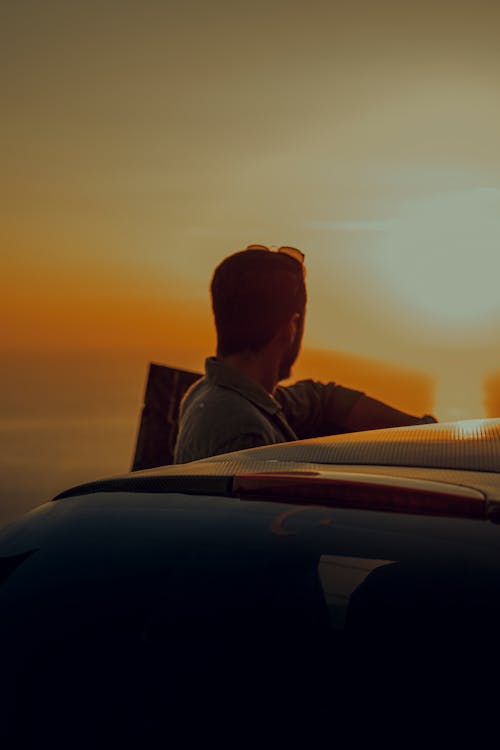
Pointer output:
x,y
294,582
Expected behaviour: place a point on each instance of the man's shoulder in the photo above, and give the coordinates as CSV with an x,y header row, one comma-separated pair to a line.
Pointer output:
x,y
204,398
215,420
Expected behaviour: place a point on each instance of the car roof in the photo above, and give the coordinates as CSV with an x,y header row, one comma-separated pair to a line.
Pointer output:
x,y
430,462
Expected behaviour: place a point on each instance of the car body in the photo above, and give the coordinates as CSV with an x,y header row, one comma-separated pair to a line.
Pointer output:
x,y
279,580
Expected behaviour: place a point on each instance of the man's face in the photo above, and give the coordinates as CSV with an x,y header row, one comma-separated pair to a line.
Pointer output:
x,y
291,354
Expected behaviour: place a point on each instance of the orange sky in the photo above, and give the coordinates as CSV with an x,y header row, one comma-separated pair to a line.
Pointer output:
x,y
143,142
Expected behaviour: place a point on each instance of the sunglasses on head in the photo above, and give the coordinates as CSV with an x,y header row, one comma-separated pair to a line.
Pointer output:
x,y
292,252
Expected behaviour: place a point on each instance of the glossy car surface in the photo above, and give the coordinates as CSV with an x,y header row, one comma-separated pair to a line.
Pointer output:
x,y
285,580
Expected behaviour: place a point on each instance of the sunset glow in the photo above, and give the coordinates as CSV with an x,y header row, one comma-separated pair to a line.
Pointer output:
x,y
143,143
441,257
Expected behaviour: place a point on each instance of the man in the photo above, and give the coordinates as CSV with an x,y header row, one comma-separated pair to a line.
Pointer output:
x,y
259,304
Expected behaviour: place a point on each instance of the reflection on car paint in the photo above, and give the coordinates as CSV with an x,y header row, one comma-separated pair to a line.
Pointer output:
x,y
339,577
277,524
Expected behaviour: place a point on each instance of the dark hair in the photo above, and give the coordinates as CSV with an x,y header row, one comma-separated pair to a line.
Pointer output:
x,y
253,293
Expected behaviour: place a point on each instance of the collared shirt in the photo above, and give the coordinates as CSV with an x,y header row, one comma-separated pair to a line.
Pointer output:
x,y
227,411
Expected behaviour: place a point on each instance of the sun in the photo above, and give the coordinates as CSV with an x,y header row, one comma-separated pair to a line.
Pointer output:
x,y
440,256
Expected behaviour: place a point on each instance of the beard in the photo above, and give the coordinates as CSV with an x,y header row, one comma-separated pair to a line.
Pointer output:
x,y
289,356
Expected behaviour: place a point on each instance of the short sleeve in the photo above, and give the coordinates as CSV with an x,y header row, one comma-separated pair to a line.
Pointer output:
x,y
313,409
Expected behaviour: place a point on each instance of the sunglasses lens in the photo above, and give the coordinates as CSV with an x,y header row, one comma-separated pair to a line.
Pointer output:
x,y
293,252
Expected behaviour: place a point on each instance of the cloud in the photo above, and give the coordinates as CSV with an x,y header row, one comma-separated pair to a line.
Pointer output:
x,y
351,226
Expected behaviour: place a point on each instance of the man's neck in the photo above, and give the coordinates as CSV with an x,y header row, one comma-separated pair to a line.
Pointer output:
x,y
256,366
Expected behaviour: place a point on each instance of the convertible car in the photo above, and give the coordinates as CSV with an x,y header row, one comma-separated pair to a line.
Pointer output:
x,y
303,582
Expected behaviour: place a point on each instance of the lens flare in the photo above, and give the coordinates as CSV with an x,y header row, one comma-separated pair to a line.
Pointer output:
x,y
441,256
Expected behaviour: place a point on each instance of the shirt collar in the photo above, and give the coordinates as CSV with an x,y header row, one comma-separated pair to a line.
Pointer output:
x,y
218,373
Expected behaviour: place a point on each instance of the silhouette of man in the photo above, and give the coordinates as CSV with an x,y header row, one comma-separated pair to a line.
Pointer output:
x,y
259,303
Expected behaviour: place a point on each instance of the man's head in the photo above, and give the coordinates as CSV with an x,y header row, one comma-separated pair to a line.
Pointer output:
x,y
257,296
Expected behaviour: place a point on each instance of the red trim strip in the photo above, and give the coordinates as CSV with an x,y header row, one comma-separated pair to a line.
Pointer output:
x,y
367,492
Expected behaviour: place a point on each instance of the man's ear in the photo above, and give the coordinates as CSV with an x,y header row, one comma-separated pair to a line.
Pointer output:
x,y
292,326
287,331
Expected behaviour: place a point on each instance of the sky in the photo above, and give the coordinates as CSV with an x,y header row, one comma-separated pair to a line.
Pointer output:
x,y
144,141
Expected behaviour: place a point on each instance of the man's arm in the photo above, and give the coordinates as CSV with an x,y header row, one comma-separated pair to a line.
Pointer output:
x,y
314,409
370,414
